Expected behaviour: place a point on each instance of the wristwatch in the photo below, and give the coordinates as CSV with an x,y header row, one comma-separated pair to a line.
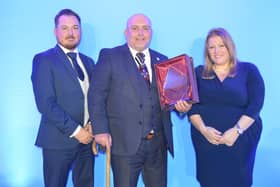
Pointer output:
x,y
239,129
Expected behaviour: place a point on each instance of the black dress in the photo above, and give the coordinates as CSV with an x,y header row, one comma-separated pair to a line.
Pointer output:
x,y
221,106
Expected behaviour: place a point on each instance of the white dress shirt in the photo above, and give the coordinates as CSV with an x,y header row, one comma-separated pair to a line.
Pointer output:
x,y
147,60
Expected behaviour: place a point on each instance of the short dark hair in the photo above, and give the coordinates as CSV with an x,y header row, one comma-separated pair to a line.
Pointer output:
x,y
67,12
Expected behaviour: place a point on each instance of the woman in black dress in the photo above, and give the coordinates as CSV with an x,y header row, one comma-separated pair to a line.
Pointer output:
x,y
226,125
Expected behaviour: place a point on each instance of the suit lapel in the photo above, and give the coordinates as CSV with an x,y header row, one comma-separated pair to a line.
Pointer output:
x,y
154,60
132,70
84,61
134,76
67,65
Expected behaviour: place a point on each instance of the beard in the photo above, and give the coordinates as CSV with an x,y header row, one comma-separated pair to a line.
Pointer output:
x,y
69,42
70,45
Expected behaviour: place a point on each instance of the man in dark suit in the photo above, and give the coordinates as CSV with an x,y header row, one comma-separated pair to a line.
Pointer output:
x,y
60,78
124,106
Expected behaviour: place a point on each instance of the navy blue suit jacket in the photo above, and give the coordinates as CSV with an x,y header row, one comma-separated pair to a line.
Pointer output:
x,y
116,100
59,97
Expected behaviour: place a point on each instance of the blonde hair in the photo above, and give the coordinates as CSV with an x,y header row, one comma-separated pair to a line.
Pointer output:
x,y
208,72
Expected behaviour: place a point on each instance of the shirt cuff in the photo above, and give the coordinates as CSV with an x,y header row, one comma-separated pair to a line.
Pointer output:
x,y
76,131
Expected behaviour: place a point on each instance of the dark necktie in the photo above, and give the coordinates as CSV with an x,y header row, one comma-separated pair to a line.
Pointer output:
x,y
78,69
140,59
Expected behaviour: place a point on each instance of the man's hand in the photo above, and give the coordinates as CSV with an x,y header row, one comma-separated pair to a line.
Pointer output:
x,y
104,140
183,106
84,136
88,127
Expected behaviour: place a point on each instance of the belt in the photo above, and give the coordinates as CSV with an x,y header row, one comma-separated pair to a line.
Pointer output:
x,y
150,136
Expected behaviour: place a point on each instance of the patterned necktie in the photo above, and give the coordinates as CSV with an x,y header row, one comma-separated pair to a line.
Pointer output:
x,y
78,69
140,59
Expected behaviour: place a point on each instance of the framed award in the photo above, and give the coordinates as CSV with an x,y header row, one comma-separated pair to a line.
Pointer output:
x,y
176,80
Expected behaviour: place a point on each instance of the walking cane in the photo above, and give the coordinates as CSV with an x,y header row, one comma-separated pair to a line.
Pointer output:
x,y
108,161
108,166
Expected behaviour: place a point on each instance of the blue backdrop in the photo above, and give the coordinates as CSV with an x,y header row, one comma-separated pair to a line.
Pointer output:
x,y
180,26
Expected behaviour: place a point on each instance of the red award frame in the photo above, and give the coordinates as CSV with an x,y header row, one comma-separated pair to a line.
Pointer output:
x,y
176,80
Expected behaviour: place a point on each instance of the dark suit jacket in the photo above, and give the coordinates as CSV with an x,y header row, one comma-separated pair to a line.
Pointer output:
x,y
116,100
59,97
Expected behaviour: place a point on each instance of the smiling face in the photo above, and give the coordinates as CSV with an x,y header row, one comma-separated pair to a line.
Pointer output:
x,y
138,32
218,51
68,31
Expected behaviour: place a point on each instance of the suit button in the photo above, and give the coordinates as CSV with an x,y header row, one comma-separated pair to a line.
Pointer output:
x,y
140,122
140,106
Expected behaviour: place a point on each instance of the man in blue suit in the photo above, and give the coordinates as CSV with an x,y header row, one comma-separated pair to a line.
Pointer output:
x,y
60,78
124,106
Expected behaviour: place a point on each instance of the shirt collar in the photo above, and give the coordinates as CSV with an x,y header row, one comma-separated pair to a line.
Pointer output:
x,y
67,50
134,52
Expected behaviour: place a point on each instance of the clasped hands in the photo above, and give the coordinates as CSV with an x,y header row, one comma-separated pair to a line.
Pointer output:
x,y
85,135
216,137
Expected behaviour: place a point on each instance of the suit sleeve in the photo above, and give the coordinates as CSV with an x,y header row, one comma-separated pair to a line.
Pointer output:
x,y
45,96
98,93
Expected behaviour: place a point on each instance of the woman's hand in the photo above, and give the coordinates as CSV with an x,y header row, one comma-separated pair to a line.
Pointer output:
x,y
211,134
229,137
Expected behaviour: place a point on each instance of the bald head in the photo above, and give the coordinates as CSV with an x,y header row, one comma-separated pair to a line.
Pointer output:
x,y
136,17
138,32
